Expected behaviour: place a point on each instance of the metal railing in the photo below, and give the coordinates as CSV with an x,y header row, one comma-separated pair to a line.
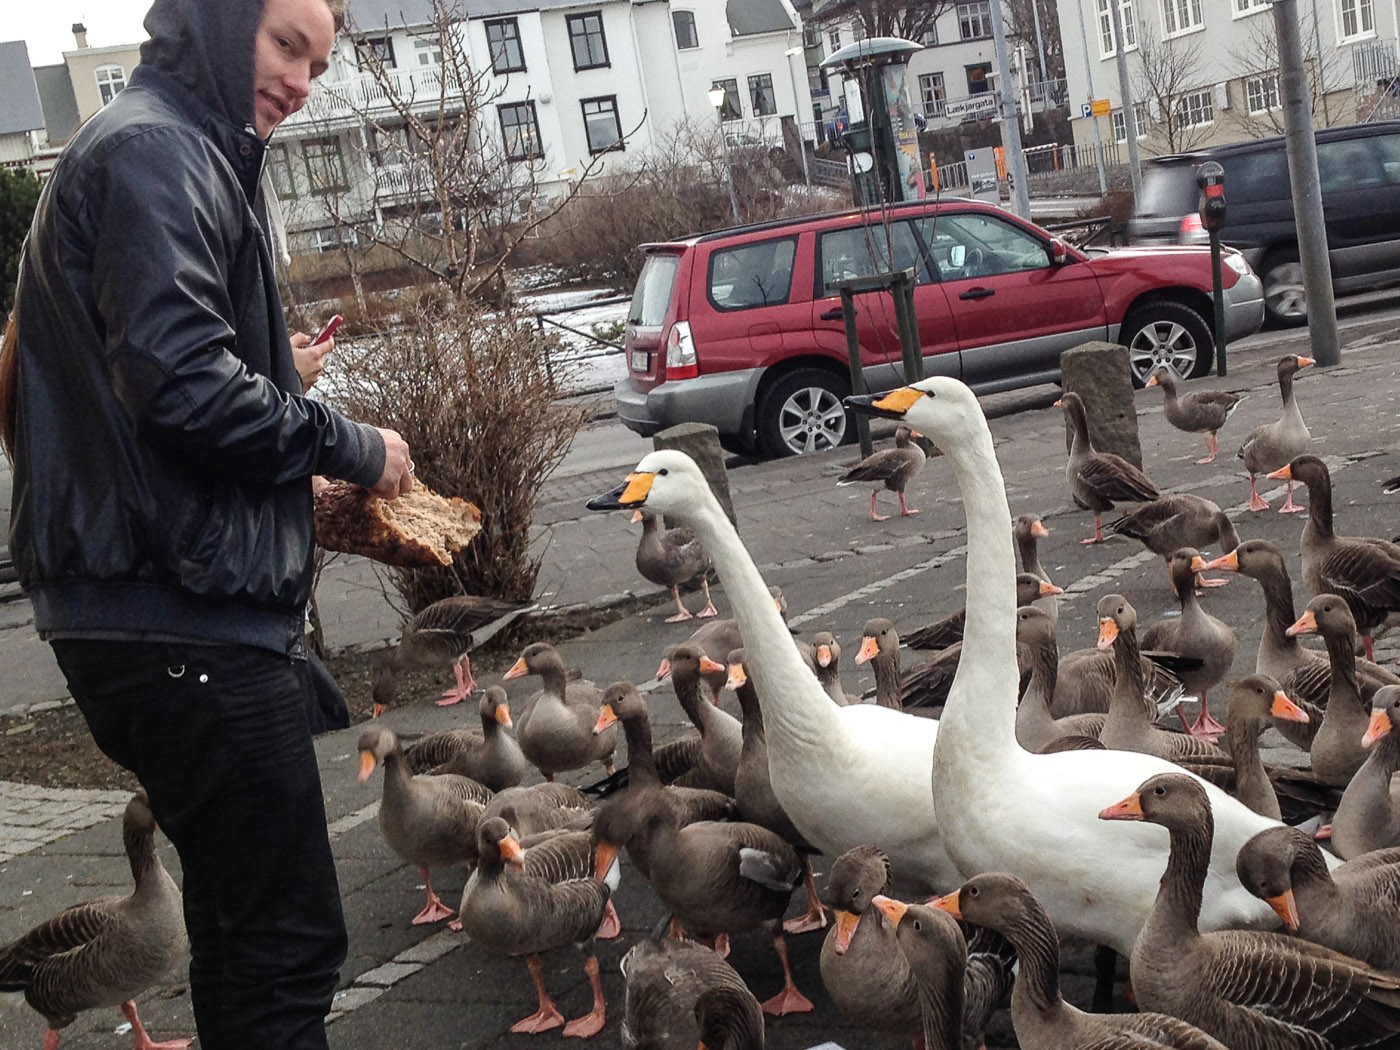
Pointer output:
x,y
366,94
1374,62
595,346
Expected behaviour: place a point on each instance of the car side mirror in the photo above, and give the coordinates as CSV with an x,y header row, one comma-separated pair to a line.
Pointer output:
x,y
957,255
1059,251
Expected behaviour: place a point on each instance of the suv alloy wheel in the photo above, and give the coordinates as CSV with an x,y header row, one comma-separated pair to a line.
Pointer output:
x,y
1164,332
802,412
1285,303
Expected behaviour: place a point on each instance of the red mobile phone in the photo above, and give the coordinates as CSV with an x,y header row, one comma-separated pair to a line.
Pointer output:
x,y
328,330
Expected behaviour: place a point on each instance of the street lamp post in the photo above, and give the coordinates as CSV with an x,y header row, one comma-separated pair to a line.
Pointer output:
x,y
797,111
717,100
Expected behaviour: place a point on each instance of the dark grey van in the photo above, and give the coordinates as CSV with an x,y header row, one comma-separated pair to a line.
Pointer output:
x,y
1360,169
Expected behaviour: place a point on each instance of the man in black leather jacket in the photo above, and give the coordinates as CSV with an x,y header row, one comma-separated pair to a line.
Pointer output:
x,y
162,523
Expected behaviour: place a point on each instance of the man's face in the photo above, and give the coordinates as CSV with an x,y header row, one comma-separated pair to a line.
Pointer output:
x,y
293,48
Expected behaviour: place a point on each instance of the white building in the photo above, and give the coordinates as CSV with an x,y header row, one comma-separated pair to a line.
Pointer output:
x,y
21,116
1205,72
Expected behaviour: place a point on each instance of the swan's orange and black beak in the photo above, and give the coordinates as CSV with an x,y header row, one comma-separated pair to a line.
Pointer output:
x,y
948,902
1129,809
1108,632
631,493
1378,727
1230,562
606,717
1307,624
869,649
1286,906
1284,473
517,670
890,908
845,929
893,405
1286,709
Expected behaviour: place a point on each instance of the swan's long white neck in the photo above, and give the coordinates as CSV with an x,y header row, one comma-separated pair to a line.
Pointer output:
x,y
980,715
796,710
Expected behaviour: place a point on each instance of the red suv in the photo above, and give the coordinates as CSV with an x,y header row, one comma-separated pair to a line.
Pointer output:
x,y
741,328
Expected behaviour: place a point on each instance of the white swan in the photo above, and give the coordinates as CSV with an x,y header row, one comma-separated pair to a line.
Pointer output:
x,y
846,776
1002,808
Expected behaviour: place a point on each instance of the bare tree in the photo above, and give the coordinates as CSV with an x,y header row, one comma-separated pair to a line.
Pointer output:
x,y
1020,15
908,19
1171,79
1257,59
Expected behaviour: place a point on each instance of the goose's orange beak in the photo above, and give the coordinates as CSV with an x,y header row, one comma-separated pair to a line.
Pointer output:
x,y
663,670
1286,709
1304,362
1286,905
604,854
1284,473
736,676
846,923
1151,380
1129,809
1229,562
517,670
511,851
367,764
606,717
1039,530
869,649
1058,403
1047,588
1378,727
503,716
708,666
823,656
636,516
890,908
1307,624
1199,564
948,902
1108,632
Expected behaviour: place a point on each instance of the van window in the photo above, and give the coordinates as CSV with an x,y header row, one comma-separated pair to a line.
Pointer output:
x,y
752,274
1350,164
865,250
1258,176
653,292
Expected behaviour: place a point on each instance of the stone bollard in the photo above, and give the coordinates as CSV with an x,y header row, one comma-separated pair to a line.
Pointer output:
x,y
1099,374
700,442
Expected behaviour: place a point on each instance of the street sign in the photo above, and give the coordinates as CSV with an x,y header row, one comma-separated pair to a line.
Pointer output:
x,y
1086,110
981,105
1101,107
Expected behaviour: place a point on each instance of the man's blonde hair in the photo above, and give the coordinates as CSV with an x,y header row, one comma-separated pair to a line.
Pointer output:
x,y
338,9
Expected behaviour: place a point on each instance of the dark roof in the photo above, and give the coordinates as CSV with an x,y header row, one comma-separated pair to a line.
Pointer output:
x,y
370,14
19,97
747,17
59,104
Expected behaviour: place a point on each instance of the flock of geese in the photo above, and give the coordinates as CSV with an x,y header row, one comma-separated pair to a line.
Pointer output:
x,y
1017,794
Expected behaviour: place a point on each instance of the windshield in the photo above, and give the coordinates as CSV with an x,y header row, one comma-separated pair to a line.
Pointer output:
x,y
653,293
1168,191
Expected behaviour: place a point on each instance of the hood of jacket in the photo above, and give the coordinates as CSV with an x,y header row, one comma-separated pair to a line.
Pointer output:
x,y
207,46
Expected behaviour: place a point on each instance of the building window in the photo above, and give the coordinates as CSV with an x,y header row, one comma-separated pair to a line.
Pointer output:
x,y
761,97
1358,18
933,93
858,32
833,41
930,37
1195,109
1181,16
1262,93
977,78
975,20
427,51
280,164
731,108
602,123
686,36
329,238
520,128
1129,20
503,41
587,40
1120,126
110,81
325,166
1249,7
375,50
810,37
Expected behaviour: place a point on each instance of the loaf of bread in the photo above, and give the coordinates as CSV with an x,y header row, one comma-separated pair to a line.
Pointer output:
x,y
418,530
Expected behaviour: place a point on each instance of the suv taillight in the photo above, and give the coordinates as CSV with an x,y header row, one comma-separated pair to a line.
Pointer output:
x,y
1191,231
681,362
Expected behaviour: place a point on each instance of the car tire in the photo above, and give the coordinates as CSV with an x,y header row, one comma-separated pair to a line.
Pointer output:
x,y
802,412
1285,304
1168,332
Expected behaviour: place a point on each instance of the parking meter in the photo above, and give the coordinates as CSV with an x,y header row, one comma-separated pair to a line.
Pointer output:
x,y
1210,177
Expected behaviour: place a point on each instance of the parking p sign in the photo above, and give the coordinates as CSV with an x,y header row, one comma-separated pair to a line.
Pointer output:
x,y
1086,110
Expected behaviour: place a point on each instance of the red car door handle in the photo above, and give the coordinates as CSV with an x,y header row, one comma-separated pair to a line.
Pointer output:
x,y
978,293
834,314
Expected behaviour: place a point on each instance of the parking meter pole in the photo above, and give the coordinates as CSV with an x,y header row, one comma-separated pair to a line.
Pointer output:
x,y
1210,177
848,313
1307,187
1218,294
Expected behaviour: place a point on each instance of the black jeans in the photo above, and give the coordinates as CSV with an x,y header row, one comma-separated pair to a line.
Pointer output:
x,y
218,736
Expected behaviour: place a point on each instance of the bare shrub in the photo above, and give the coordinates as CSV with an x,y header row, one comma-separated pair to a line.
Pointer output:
x,y
473,394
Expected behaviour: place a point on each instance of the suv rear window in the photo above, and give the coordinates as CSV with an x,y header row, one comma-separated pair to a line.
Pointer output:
x,y
1258,176
752,274
1168,190
653,291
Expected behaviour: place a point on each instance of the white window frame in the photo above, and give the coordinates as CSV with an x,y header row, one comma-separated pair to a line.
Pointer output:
x,y
111,79
330,238
1127,15
1120,126
974,13
1364,11
1245,8
1180,17
1262,88
427,52
833,40
933,106
1204,112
